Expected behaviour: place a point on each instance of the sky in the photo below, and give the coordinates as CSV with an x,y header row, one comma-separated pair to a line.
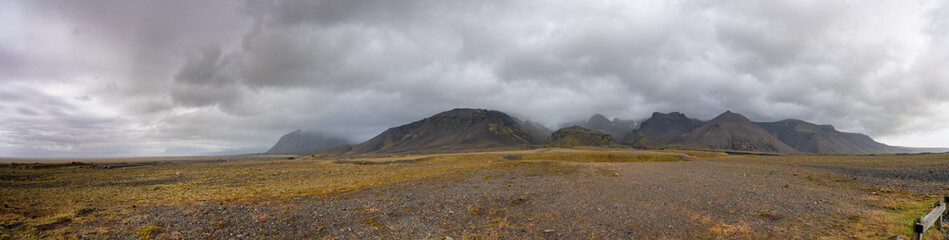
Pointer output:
x,y
100,78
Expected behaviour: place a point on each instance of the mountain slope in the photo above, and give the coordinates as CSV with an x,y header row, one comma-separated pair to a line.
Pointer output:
x,y
300,141
538,132
579,136
453,130
660,130
824,139
616,128
732,131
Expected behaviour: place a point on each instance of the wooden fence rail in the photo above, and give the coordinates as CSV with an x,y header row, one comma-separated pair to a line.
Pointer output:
x,y
934,217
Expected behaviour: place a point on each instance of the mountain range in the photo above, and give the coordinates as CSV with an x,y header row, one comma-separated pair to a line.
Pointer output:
x,y
616,128
471,129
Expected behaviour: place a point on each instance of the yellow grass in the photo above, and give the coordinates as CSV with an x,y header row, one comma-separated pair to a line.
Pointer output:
x,y
599,157
43,198
885,160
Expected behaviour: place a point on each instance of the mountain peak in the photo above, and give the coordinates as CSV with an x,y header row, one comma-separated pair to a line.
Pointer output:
x,y
732,131
598,118
730,116
462,112
660,129
615,128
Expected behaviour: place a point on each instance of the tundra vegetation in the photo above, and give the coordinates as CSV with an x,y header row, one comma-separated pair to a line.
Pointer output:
x,y
533,193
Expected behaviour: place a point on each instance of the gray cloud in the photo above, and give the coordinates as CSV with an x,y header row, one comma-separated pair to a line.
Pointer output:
x,y
180,77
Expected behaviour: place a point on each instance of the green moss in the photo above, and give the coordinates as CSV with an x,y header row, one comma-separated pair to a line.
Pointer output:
x,y
805,128
906,213
388,143
506,132
409,136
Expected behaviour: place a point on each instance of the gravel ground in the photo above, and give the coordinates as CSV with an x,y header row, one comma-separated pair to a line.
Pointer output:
x,y
696,199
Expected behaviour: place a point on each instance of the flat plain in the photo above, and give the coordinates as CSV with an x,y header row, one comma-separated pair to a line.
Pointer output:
x,y
542,193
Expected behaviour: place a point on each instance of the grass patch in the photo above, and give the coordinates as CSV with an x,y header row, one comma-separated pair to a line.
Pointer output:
x,y
880,160
770,215
371,221
600,157
147,232
896,216
904,215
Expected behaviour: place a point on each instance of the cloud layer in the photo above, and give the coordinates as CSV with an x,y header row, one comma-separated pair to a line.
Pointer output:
x,y
104,78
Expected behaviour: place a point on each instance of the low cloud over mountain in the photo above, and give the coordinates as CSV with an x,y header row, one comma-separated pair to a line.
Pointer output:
x,y
106,78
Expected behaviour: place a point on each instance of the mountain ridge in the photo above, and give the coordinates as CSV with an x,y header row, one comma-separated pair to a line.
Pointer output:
x,y
617,128
460,128
732,131
300,141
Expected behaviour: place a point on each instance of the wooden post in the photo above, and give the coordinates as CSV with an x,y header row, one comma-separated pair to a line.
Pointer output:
x,y
945,214
917,229
945,199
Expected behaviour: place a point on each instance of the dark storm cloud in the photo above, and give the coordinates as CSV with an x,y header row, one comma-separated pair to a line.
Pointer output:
x,y
207,76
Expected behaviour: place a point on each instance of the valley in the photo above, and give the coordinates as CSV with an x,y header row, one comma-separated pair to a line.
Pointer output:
x,y
546,193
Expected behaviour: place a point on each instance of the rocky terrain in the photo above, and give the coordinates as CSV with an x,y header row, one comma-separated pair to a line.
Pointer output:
x,y
704,195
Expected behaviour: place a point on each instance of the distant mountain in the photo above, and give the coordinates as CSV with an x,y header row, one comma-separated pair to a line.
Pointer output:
x,y
732,131
660,130
824,139
616,128
300,141
537,131
456,129
579,136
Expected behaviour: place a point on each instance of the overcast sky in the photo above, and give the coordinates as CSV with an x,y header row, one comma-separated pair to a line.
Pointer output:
x,y
169,77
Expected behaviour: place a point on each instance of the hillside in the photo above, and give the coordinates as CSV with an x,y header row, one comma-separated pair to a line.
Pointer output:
x,y
617,128
579,136
660,130
300,141
732,131
812,138
454,130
